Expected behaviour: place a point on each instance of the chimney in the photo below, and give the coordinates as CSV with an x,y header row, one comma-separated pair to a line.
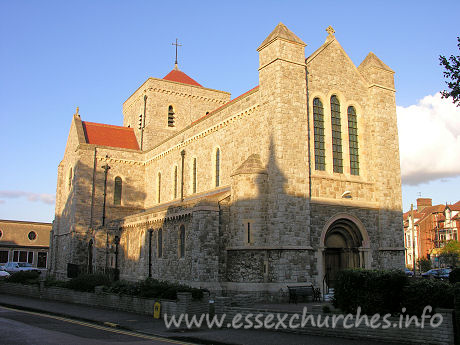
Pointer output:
x,y
422,203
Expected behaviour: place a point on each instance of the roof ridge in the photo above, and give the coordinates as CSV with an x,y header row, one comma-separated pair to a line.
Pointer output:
x,y
107,125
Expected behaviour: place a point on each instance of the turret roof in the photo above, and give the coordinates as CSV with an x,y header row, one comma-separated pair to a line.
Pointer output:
x,y
180,77
373,60
281,31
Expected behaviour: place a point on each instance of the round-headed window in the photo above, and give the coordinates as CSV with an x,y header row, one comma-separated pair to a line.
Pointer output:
x,y
32,235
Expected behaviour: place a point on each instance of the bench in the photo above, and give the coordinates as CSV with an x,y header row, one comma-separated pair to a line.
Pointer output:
x,y
304,290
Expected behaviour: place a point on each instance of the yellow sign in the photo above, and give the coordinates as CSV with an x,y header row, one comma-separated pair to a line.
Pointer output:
x,y
156,310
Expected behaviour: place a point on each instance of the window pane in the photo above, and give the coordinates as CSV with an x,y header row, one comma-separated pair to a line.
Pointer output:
x,y
117,191
336,135
353,139
318,116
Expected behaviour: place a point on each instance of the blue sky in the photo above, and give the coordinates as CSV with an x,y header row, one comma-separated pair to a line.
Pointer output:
x,y
56,55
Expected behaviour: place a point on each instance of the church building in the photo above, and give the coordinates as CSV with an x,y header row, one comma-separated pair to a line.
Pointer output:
x,y
287,184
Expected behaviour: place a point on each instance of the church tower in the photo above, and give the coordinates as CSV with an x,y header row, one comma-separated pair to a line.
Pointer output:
x,y
282,89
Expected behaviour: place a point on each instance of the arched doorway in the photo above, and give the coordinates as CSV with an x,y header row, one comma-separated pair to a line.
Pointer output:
x,y
342,244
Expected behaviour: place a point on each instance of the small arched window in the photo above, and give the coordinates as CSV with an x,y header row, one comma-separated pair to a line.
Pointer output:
x,y
159,188
175,182
217,168
117,191
182,241
171,117
69,183
160,243
336,135
194,176
318,119
353,139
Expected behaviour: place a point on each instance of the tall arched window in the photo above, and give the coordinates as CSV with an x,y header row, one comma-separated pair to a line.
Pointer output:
x,y
160,243
194,176
182,241
159,188
353,139
336,135
217,168
318,119
175,182
69,183
171,118
117,191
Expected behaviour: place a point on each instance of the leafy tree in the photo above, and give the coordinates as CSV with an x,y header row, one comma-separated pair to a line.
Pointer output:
x,y
424,264
450,253
452,71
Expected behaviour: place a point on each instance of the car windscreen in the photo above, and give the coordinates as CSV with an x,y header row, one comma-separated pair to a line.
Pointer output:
x,y
24,264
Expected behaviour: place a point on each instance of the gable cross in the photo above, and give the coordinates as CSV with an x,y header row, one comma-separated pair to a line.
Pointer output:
x,y
330,30
177,45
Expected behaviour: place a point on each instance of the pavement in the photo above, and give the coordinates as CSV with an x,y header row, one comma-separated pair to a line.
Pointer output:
x,y
145,324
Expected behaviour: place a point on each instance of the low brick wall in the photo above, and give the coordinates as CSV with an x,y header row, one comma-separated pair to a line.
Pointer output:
x,y
184,303
444,334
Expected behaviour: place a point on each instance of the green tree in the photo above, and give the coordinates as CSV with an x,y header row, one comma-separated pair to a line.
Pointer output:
x,y
424,264
452,72
450,253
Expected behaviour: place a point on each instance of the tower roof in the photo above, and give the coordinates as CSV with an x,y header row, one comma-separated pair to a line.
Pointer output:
x,y
109,135
281,31
180,77
372,60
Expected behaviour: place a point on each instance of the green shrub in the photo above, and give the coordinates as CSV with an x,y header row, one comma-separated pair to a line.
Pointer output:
x,y
375,291
87,282
424,264
51,281
24,277
422,292
388,292
454,276
123,287
152,288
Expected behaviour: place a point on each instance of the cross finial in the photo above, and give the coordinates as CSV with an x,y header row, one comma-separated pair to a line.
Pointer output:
x,y
76,112
330,30
177,45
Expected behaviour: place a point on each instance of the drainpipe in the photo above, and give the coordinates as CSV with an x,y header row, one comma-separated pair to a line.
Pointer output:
x,y
143,121
117,242
106,169
93,190
182,153
150,252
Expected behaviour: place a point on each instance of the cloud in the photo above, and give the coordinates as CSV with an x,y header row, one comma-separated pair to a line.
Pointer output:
x,y
429,140
34,197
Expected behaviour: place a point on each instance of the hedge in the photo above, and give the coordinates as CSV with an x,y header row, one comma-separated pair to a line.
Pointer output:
x,y
380,291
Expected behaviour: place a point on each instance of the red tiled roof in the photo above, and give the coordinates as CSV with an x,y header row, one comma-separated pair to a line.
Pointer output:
x,y
109,135
455,207
180,77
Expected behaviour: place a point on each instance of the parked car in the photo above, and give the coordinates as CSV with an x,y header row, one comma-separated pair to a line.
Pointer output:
x,y
4,274
408,272
437,273
13,267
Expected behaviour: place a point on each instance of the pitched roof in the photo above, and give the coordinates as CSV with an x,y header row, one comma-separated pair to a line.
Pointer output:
x,y
373,60
281,31
109,135
455,207
180,77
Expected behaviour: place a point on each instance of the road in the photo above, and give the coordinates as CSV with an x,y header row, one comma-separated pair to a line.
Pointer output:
x,y
23,327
